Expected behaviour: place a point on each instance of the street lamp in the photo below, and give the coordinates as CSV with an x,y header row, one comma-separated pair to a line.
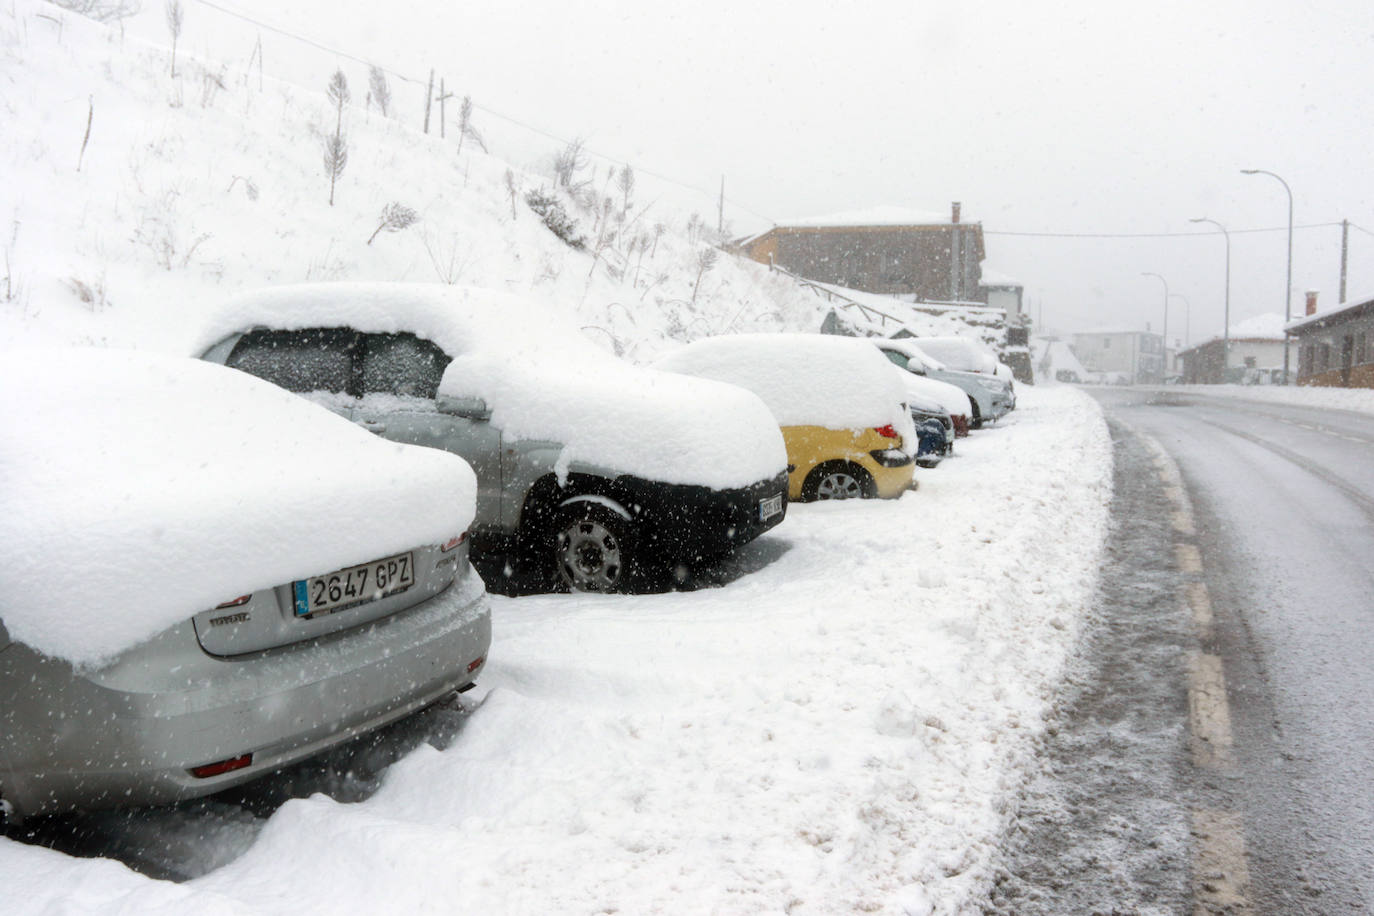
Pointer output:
x,y
1164,365
1226,319
1288,282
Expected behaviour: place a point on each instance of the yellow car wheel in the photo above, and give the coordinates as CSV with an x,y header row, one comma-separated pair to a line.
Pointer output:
x,y
838,480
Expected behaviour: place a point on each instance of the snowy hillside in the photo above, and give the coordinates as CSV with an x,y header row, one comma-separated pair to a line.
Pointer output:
x,y
192,187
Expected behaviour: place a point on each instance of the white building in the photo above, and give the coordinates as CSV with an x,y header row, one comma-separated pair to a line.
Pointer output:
x,y
1133,357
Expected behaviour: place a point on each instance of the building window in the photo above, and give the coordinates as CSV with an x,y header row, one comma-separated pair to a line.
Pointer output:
x,y
1360,352
1249,362
1324,356
1106,343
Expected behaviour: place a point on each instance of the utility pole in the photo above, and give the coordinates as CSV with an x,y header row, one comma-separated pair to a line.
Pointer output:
x,y
429,98
1345,252
720,220
443,97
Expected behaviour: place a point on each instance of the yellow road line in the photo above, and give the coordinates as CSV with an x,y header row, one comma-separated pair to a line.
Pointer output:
x,y
1201,603
1209,715
1189,558
1221,878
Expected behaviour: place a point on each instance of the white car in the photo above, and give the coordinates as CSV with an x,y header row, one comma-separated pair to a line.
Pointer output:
x,y
989,397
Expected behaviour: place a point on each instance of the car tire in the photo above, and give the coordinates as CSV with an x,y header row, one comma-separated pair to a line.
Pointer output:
x,y
838,480
593,550
975,418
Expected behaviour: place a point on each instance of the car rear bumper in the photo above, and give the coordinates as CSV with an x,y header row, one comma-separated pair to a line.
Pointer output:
x,y
684,522
129,733
891,482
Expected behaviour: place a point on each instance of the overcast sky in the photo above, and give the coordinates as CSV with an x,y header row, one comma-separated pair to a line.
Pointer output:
x,y
1074,117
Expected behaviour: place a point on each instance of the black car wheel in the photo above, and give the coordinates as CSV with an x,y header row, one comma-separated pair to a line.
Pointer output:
x,y
593,549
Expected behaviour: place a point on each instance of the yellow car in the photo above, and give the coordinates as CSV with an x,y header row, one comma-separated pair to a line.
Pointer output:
x,y
840,406
827,463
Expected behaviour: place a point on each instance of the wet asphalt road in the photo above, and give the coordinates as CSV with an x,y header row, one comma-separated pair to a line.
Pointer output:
x,y
1283,501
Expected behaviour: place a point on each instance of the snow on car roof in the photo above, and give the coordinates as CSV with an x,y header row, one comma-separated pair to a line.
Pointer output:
x,y
951,397
140,489
910,347
959,353
805,379
542,379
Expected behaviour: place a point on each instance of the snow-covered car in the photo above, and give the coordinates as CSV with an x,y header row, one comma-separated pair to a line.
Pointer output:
x,y
933,399
207,578
841,409
591,473
934,431
989,397
960,353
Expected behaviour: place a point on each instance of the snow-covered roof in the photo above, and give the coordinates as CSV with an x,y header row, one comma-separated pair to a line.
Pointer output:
x,y
1268,326
1349,305
884,215
140,489
542,379
1056,355
991,277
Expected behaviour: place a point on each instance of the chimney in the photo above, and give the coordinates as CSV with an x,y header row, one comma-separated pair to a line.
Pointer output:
x,y
954,212
1312,302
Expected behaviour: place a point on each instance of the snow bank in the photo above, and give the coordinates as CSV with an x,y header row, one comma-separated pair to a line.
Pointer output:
x,y
542,379
805,379
845,729
141,489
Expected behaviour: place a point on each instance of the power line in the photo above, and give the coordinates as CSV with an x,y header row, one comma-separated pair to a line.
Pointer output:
x,y
703,191
1361,228
1151,235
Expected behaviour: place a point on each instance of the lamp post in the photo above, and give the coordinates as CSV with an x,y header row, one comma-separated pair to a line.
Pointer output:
x,y
1288,281
1164,363
1226,318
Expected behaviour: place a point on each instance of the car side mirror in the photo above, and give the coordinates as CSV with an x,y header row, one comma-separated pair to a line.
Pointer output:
x,y
469,408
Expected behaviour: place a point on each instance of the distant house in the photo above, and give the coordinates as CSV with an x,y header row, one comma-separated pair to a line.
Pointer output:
x,y
1335,348
886,250
1000,291
1135,357
1256,350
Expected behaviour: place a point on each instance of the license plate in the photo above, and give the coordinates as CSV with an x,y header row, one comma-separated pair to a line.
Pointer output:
x,y
770,507
355,585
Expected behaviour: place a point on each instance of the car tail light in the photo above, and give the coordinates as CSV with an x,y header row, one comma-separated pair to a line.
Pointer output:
x,y
453,542
476,663
222,766
887,432
241,599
